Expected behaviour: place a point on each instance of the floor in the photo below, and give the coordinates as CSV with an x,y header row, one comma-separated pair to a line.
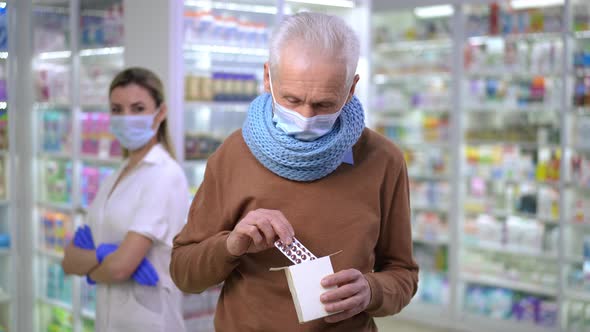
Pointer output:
x,y
390,324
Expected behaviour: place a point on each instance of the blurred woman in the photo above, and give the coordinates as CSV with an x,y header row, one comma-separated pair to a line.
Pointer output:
x,y
134,216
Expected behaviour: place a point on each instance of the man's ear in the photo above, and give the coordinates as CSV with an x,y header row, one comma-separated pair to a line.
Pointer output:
x,y
353,87
267,77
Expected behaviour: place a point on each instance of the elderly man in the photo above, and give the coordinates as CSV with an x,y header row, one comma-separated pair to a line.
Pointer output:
x,y
303,165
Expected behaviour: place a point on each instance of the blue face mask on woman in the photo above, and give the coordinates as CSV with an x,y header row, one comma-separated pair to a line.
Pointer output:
x,y
300,127
133,131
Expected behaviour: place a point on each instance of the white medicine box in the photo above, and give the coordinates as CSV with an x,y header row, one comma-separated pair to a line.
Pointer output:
x,y
305,285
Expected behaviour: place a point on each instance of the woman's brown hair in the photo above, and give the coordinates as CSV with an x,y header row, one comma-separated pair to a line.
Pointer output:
x,y
152,83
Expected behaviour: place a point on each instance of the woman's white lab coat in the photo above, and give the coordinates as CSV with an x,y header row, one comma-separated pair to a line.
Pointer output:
x,y
151,200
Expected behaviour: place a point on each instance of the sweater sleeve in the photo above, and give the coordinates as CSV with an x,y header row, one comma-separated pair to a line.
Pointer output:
x,y
200,258
394,280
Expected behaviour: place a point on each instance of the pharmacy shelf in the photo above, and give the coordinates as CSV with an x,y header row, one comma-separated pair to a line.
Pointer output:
x,y
526,287
55,155
4,252
574,259
221,49
53,55
437,241
582,34
429,177
578,295
505,214
473,322
510,74
501,249
236,106
50,105
584,225
510,109
101,161
5,299
100,108
420,145
582,148
581,190
55,255
55,303
232,6
4,203
516,37
529,182
429,208
414,46
391,78
102,51
580,110
62,207
88,314
433,315
520,144
581,72
400,111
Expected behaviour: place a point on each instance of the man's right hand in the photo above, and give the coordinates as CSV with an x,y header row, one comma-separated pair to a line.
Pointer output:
x,y
258,231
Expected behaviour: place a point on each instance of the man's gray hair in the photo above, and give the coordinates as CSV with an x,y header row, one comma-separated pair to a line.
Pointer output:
x,y
329,35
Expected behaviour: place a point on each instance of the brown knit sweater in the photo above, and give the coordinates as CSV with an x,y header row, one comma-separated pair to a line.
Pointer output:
x,y
362,209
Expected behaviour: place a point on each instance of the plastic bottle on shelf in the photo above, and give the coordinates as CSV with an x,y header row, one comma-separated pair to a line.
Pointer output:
x,y
218,80
262,35
110,27
85,130
242,32
206,28
251,34
104,136
231,31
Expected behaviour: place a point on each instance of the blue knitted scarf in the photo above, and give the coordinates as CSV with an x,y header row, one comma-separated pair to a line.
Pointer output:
x,y
298,160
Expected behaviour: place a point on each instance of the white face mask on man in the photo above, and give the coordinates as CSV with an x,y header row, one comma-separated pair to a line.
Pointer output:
x,y
298,126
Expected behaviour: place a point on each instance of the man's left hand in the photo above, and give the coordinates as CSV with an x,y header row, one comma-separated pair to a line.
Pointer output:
x,y
351,297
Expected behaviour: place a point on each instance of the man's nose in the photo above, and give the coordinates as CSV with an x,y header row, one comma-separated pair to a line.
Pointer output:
x,y
306,111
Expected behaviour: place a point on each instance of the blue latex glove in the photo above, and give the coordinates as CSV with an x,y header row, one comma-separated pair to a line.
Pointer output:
x,y
102,251
83,238
145,274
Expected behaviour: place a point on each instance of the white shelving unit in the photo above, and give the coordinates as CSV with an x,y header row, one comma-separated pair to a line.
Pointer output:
x,y
509,101
7,220
411,104
78,50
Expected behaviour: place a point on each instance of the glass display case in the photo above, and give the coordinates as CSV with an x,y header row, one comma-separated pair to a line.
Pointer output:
x,y
78,48
512,88
411,105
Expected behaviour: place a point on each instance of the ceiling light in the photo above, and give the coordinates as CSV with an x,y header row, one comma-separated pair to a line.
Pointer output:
x,y
528,4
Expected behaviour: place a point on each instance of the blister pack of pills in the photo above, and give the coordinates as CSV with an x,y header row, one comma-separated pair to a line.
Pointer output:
x,y
296,252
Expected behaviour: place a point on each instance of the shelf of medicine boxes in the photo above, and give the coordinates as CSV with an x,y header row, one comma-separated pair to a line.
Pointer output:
x,y
578,222
478,255
419,93
488,263
207,124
